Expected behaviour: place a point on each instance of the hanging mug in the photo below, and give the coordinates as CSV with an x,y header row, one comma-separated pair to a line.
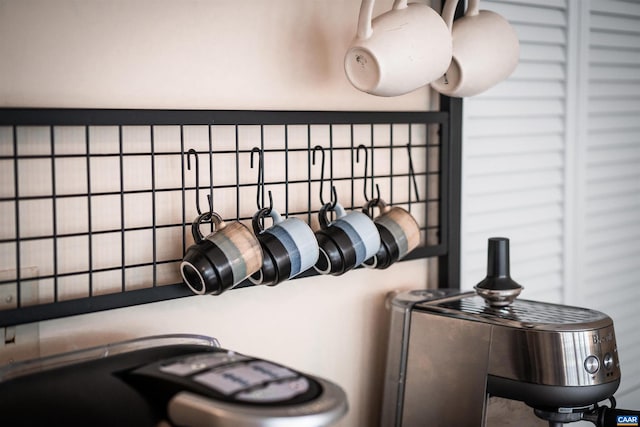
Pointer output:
x,y
399,51
399,233
485,51
221,260
289,248
346,242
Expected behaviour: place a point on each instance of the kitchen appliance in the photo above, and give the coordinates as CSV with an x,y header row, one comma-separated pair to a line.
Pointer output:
x,y
449,351
182,380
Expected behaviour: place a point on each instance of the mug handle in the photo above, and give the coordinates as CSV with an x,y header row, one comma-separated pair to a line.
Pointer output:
x,y
256,221
322,215
449,10
365,17
364,30
379,203
399,4
207,216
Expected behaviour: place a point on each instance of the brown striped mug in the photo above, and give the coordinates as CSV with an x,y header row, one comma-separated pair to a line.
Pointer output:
x,y
221,260
399,233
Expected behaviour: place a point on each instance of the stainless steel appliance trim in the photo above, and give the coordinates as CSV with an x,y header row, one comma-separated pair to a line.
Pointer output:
x,y
187,408
55,361
589,319
554,358
447,383
406,329
405,302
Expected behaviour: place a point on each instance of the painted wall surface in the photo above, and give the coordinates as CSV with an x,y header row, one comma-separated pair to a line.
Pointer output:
x,y
332,327
248,54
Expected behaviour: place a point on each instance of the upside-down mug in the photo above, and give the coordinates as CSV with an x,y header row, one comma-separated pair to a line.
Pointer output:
x,y
399,51
221,260
346,242
399,233
485,51
289,248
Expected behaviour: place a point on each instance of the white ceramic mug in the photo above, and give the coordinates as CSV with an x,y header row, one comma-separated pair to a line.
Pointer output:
x,y
485,51
399,51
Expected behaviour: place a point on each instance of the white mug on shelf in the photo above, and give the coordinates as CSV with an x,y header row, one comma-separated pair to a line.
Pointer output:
x,y
485,51
399,51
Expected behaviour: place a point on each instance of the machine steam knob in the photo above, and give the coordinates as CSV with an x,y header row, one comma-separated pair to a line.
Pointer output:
x,y
608,361
591,364
498,288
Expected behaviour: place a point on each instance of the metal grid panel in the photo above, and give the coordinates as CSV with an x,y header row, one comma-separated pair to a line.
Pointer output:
x,y
96,204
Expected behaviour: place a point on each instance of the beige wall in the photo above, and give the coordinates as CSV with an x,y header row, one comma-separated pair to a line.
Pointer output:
x,y
332,327
249,54
275,54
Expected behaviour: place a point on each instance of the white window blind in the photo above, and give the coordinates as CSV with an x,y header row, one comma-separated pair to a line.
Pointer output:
x,y
608,268
513,155
551,159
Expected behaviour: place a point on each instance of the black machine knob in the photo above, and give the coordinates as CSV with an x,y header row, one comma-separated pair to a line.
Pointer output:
x,y
498,288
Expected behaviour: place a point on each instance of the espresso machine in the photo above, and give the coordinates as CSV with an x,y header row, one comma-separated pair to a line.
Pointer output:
x,y
451,352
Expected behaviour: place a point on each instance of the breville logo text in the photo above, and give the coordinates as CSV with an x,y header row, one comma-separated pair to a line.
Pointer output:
x,y
597,339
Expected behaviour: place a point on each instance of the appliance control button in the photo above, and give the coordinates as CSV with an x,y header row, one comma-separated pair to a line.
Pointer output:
x,y
608,361
183,369
591,364
275,392
192,364
222,382
274,371
299,385
246,374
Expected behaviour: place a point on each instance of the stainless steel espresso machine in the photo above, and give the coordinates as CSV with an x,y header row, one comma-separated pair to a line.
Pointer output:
x,y
450,353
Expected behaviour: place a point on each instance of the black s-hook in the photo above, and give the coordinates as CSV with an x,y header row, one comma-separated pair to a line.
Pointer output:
x,y
334,196
366,167
412,174
195,155
260,184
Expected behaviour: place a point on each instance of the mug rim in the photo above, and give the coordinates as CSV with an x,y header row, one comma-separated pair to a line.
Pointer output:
x,y
343,257
267,258
326,258
202,282
389,248
273,248
202,289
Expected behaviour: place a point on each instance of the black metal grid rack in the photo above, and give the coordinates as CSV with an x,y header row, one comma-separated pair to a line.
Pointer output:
x,y
96,204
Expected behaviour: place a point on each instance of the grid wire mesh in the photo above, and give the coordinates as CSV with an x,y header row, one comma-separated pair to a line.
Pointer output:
x,y
97,209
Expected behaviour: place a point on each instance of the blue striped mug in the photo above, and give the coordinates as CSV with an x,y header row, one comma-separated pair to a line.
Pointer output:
x,y
288,248
346,242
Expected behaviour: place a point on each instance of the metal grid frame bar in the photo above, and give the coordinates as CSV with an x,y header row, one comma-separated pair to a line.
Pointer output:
x,y
87,118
